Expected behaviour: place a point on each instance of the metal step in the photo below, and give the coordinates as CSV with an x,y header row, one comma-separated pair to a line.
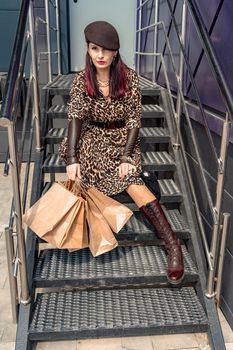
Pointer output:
x,y
170,193
154,161
61,86
142,266
118,312
147,135
137,229
148,111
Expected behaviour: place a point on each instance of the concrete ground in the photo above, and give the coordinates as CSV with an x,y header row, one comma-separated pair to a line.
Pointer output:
x,y
8,329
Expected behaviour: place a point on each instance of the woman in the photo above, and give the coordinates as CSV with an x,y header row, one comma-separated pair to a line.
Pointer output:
x,y
102,147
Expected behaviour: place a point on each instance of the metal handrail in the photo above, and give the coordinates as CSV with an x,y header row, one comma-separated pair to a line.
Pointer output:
x,y
168,87
8,103
8,118
211,253
211,205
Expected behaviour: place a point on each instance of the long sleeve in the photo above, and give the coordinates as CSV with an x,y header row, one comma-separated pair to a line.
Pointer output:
x,y
78,109
74,133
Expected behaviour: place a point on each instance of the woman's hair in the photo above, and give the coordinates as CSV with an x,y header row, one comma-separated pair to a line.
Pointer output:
x,y
118,79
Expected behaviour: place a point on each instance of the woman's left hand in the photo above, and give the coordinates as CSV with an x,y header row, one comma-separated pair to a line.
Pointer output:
x,y
126,169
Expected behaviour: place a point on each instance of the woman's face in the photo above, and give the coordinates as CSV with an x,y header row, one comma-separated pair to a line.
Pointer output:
x,y
101,57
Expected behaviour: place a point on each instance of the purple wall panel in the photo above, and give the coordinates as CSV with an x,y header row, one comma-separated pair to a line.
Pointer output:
x,y
207,85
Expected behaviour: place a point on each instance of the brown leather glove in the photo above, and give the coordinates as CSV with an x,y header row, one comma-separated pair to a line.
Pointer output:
x,y
74,132
132,136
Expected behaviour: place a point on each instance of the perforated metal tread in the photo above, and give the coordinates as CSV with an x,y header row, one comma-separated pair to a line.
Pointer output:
x,y
155,161
147,134
148,111
170,193
119,312
123,266
62,84
138,229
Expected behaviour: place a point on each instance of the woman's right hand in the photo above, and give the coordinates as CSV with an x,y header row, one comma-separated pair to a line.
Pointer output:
x,y
73,171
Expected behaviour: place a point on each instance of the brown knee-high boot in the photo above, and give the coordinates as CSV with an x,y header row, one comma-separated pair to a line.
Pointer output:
x,y
155,215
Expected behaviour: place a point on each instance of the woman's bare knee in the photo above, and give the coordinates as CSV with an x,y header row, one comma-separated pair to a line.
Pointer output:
x,y
140,194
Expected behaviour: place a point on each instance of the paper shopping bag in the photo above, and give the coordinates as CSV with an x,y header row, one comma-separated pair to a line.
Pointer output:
x,y
115,213
47,212
76,236
101,238
71,231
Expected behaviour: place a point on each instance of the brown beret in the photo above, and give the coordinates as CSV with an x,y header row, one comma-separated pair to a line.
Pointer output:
x,y
102,34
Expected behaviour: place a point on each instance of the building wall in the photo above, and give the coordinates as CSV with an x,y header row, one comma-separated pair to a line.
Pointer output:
x,y
218,21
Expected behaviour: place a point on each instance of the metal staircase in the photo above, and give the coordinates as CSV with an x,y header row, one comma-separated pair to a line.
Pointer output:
x,y
124,292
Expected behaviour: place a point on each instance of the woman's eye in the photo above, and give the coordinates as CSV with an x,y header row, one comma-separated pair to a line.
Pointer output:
x,y
94,48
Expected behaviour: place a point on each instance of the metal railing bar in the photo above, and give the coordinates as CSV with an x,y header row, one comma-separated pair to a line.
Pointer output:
x,y
25,119
7,163
27,170
211,112
147,27
141,6
168,33
201,227
218,206
36,92
145,42
52,3
7,104
48,40
181,67
193,82
39,19
211,56
209,32
155,43
225,228
58,24
187,116
25,298
12,278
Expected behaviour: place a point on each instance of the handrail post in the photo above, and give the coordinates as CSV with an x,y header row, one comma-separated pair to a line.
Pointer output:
x,y
225,227
48,39
139,36
219,193
25,297
155,39
12,279
181,69
58,37
36,92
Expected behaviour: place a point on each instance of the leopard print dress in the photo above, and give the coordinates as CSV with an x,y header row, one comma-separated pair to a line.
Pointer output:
x,y
99,149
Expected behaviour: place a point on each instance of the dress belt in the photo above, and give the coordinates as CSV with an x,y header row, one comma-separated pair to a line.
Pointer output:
x,y
111,124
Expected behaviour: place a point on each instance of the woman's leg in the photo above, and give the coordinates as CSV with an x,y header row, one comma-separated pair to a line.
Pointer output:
x,y
153,211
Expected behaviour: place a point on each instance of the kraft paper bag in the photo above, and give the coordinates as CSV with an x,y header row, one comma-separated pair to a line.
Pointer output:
x,y
115,213
101,238
50,209
71,231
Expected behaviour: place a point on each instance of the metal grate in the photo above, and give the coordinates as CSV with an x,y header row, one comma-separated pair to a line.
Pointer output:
x,y
62,84
150,134
156,161
60,111
123,265
84,314
152,108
